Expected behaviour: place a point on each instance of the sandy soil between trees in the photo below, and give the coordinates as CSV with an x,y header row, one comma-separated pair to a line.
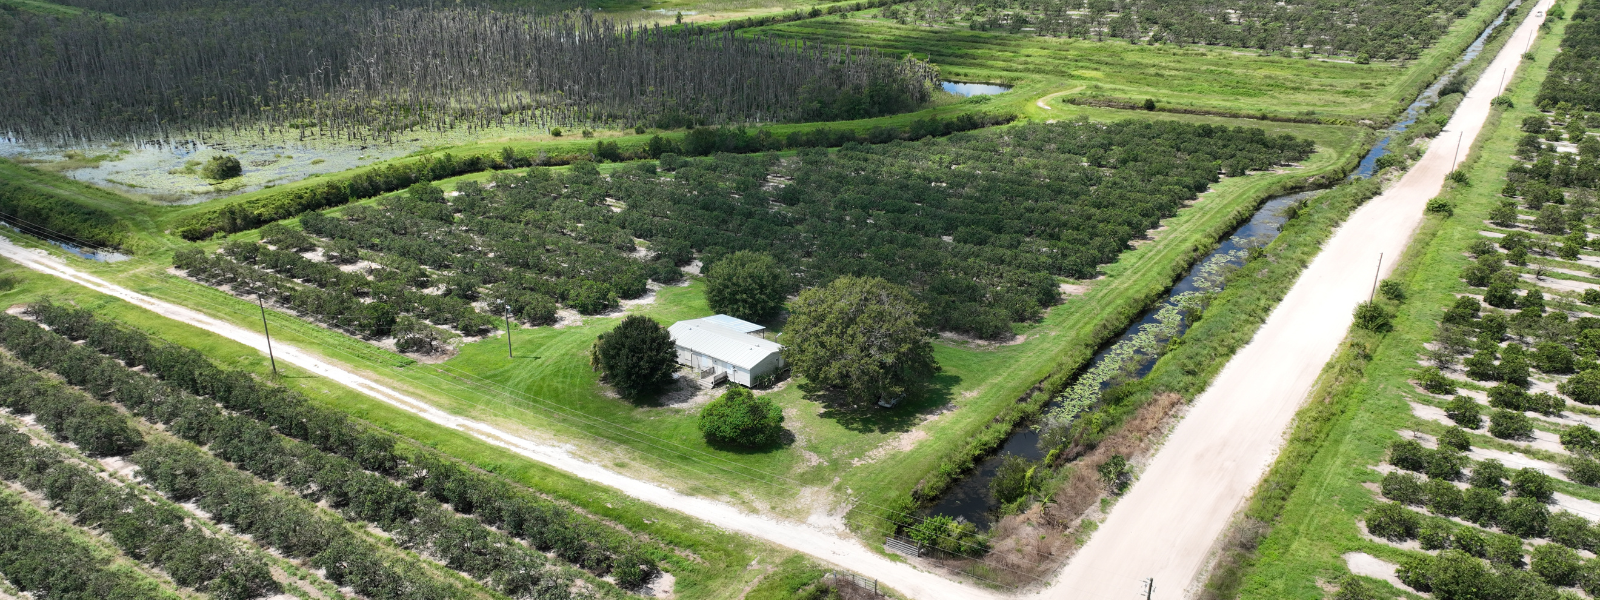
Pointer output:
x,y
824,545
1168,524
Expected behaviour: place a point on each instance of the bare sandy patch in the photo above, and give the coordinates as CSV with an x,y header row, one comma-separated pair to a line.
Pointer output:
x,y
903,442
1560,285
1367,565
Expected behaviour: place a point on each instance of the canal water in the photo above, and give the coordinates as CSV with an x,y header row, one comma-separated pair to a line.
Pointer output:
x,y
1134,353
969,90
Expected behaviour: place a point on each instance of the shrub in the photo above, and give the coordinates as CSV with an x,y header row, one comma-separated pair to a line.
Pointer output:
x,y
1114,474
1393,521
95,427
1014,479
1570,530
1435,533
1553,357
1544,403
638,357
1456,438
1444,498
1471,541
949,536
1502,549
1529,482
1490,475
1584,470
1465,412
1508,397
1446,463
1581,439
748,285
1557,565
1356,588
222,167
1510,425
1453,575
1525,517
1435,382
1402,487
1583,388
50,561
1408,455
1393,290
1372,317
1481,506
740,418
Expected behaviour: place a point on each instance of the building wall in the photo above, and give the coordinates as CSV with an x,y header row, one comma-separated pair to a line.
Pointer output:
x,y
736,374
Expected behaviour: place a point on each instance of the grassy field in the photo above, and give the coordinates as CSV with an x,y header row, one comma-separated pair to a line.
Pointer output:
x,y
875,457
1367,387
1197,77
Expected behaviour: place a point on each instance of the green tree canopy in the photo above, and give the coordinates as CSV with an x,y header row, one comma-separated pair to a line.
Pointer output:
x,y
637,357
222,167
740,418
748,285
861,335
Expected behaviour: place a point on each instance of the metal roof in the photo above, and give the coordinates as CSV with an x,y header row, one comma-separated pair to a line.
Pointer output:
x,y
731,346
733,323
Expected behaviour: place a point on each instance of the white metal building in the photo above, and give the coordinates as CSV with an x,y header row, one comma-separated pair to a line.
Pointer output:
x,y
722,347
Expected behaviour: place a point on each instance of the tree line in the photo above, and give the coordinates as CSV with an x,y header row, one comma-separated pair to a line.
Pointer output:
x,y
1367,28
701,141
1571,78
30,208
978,225
320,453
372,75
155,532
44,558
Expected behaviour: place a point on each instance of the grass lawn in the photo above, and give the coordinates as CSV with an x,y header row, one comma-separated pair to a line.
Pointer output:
x,y
1201,77
1318,523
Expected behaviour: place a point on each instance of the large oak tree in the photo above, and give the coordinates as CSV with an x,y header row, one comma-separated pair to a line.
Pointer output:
x,y
862,336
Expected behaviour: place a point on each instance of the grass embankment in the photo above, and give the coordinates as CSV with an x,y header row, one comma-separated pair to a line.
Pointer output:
x,y
549,389
1314,494
80,212
711,563
1230,80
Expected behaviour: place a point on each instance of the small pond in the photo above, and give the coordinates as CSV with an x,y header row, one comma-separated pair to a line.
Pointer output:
x,y
968,90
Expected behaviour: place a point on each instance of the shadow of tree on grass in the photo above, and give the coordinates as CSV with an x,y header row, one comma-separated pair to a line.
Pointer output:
x,y
926,397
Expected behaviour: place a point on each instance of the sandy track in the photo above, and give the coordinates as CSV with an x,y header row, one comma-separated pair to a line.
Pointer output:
x,y
818,543
1167,525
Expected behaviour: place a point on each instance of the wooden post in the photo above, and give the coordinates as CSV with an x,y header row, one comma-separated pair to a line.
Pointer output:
x,y
1374,295
268,333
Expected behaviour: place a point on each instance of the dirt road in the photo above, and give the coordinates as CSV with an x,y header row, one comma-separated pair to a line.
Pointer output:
x,y
1168,523
816,542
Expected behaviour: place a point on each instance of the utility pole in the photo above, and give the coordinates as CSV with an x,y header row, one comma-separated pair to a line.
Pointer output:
x,y
1149,588
509,353
1456,158
267,333
1502,89
1374,295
